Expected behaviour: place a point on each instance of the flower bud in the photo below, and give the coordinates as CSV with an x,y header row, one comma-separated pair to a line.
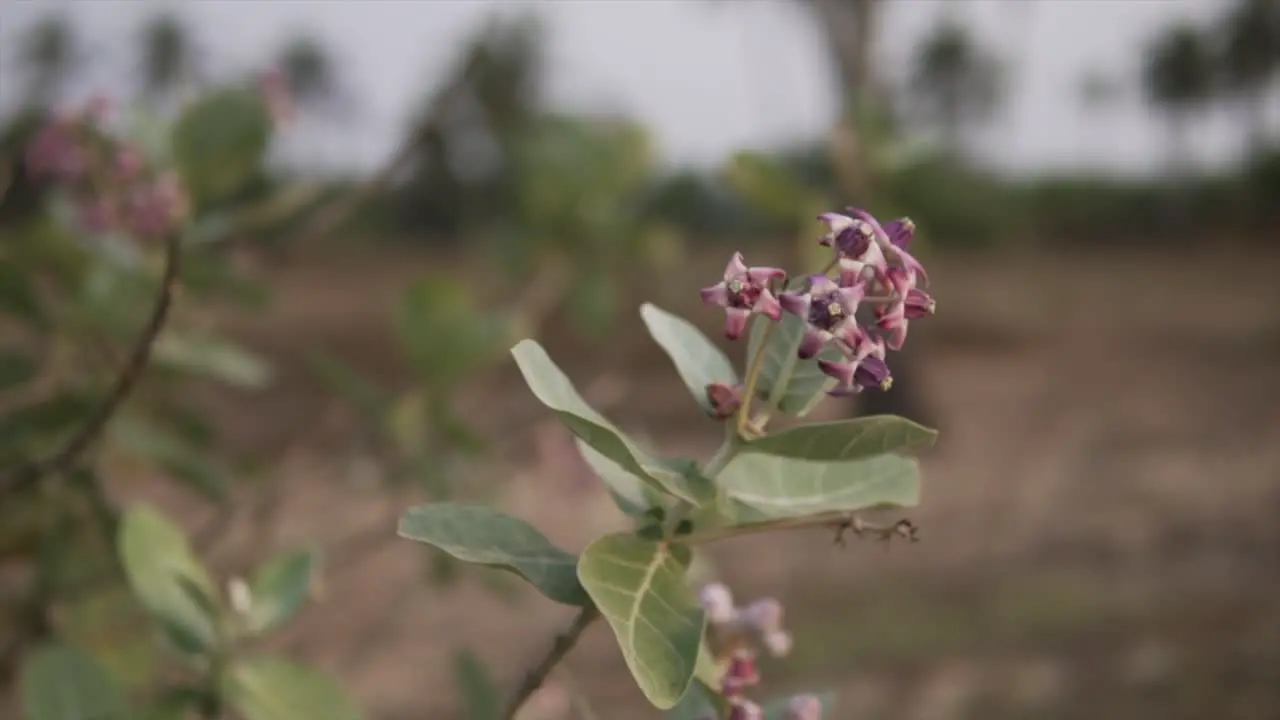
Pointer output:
x,y
717,601
725,400
741,674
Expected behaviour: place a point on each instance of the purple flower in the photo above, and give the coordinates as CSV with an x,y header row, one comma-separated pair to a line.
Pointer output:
x,y
725,400
745,710
57,152
858,255
910,303
865,368
828,311
97,215
744,290
157,208
900,232
741,674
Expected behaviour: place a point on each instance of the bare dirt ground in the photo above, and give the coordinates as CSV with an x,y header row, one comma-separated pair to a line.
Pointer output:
x,y
1099,523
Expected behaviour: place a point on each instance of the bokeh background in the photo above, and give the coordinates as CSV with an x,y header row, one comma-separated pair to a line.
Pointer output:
x,y
1097,187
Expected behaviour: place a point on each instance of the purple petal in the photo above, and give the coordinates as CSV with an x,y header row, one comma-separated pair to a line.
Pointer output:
x,y
851,296
768,305
900,232
795,303
896,324
842,372
822,285
835,222
918,304
873,373
912,265
716,295
812,342
737,267
762,275
735,321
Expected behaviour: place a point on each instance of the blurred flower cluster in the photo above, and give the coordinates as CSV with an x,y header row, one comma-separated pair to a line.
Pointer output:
x,y
873,270
109,182
736,636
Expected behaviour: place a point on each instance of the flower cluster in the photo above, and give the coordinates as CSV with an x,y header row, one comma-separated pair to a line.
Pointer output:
x,y
736,636
109,182
873,270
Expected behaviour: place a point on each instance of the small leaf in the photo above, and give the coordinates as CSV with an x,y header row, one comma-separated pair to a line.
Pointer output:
x,y
777,709
163,572
554,390
786,382
698,361
272,689
484,536
215,358
630,493
846,439
481,695
780,487
639,587
60,682
279,588
220,141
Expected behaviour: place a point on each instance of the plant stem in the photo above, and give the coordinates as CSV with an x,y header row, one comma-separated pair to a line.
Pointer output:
x,y
133,369
753,376
536,676
837,520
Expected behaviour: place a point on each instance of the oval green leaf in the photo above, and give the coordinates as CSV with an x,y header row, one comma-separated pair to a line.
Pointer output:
x,y
483,536
696,358
639,587
60,682
786,382
779,487
554,389
846,439
166,575
279,588
630,493
273,689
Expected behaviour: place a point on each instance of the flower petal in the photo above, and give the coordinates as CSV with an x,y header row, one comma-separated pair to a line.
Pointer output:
x,y
900,232
736,268
735,321
768,305
822,285
795,303
763,275
842,372
716,295
812,342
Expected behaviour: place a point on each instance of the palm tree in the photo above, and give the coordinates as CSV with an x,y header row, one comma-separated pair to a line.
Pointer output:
x,y
956,84
169,58
309,71
1178,79
49,55
1250,57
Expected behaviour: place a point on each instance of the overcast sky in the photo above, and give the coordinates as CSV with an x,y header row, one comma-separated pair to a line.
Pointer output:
x,y
707,77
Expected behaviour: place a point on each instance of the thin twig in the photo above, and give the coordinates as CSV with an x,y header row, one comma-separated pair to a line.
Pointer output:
x,y
564,642
65,458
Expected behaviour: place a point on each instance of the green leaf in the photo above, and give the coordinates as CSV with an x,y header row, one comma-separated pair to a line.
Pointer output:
x,y
272,689
220,143
696,358
786,382
780,487
18,296
60,682
846,439
164,573
639,586
279,588
484,536
214,358
550,385
15,369
777,709
630,493
481,695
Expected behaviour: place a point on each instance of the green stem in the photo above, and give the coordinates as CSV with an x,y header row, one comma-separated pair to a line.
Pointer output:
x,y
753,377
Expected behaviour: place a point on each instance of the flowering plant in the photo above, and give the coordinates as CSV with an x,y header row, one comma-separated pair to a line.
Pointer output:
x,y
823,334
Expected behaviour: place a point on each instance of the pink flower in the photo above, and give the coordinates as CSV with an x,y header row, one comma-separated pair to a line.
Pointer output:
x,y
828,311
744,290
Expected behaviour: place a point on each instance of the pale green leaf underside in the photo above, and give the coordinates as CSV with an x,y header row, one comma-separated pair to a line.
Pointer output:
x,y
274,689
554,389
696,358
786,382
280,587
639,587
164,572
630,493
484,536
60,682
846,439
779,487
